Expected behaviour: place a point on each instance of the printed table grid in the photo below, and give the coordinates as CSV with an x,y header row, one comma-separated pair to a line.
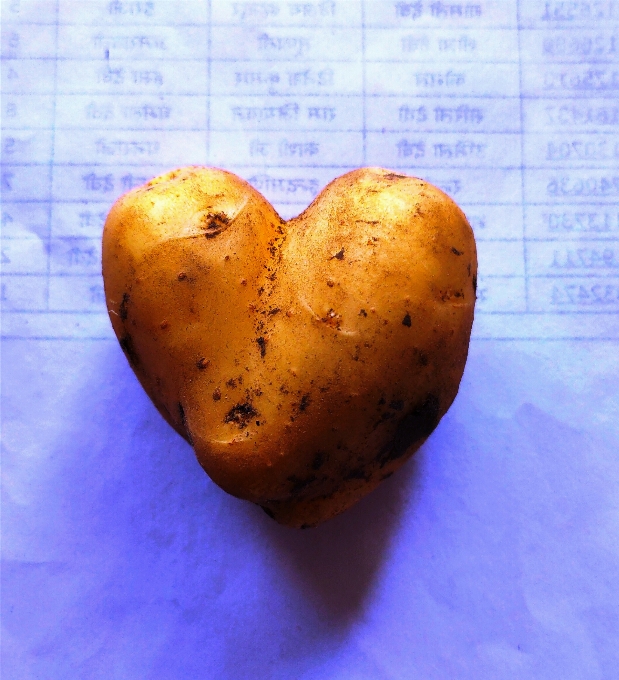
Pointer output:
x,y
510,107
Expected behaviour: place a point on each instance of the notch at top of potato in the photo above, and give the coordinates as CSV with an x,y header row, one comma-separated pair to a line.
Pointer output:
x,y
305,361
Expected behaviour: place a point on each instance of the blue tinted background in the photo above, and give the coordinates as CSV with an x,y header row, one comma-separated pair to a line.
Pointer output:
x,y
494,553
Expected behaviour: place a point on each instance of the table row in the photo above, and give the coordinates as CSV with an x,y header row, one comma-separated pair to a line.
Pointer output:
x,y
297,186
490,44
510,222
298,148
32,295
200,77
328,113
318,13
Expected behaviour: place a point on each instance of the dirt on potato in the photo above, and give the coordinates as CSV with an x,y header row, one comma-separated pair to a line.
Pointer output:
x,y
305,361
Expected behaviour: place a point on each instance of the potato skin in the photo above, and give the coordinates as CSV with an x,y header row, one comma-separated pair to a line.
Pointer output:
x,y
305,361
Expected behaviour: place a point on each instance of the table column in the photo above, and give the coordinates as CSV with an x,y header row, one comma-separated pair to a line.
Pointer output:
x,y
28,76
571,140
286,106
132,103
443,104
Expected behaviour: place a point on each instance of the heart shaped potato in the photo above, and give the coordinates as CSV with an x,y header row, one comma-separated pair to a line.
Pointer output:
x,y
305,361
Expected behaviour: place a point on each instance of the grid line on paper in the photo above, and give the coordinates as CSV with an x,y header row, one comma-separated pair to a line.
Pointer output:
x,y
584,96
209,36
364,85
334,60
51,160
522,154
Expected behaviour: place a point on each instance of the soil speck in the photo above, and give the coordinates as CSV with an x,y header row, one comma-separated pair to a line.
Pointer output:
x,y
241,414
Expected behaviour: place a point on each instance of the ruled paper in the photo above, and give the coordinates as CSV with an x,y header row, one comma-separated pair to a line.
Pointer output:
x,y
510,107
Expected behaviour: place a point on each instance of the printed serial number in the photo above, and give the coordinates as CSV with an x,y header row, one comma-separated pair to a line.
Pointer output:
x,y
586,295
595,222
599,45
596,150
582,114
583,186
580,11
585,258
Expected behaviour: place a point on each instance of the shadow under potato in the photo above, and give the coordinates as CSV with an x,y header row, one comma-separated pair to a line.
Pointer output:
x,y
336,563
120,555
151,544
332,567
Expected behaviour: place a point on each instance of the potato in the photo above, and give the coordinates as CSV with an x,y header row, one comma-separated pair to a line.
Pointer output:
x,y
305,361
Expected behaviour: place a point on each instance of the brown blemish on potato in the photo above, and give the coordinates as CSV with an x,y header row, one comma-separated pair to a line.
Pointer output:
x,y
446,295
455,251
181,276
262,344
216,394
122,309
319,460
181,413
214,223
126,344
183,418
332,319
298,484
240,414
339,255
357,473
406,321
203,363
415,426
